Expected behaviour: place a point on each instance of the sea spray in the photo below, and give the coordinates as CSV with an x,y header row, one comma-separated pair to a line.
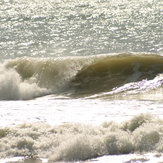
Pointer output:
x,y
26,78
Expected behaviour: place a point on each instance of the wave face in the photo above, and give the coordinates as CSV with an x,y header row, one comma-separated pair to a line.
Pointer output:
x,y
143,133
27,78
113,73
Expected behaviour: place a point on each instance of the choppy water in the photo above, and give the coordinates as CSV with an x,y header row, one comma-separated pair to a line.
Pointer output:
x,y
86,63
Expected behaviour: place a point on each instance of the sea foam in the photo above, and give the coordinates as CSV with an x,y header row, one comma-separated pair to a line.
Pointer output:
x,y
26,78
13,88
73,142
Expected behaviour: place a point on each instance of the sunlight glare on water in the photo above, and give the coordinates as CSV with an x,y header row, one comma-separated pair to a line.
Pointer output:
x,y
60,28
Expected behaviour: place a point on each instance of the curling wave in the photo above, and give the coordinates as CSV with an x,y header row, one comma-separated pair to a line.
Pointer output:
x,y
27,78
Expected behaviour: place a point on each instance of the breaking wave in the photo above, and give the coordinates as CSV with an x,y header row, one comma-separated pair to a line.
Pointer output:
x,y
26,78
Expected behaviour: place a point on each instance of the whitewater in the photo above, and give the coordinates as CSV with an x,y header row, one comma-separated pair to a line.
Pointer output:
x,y
81,81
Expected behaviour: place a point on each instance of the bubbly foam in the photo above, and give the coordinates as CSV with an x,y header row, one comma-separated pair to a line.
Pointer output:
x,y
13,88
72,142
27,78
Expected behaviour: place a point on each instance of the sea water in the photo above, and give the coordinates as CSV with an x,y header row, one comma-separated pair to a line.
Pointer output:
x,y
81,81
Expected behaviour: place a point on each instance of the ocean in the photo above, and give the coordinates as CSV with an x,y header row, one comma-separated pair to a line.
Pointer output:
x,y
81,81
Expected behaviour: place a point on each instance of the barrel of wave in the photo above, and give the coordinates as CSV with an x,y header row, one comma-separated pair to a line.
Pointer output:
x,y
113,72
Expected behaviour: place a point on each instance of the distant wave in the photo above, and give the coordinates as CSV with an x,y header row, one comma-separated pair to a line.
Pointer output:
x,y
26,78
